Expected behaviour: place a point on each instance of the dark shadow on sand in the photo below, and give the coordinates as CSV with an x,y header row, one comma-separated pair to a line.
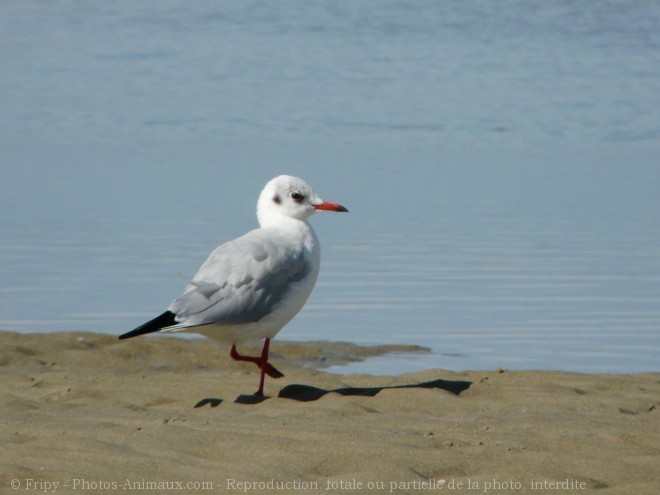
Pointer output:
x,y
211,401
251,399
307,393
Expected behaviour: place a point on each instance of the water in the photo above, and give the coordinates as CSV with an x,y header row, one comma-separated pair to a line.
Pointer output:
x,y
499,161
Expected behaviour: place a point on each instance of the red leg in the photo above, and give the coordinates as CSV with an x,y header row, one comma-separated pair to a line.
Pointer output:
x,y
264,362
238,357
261,362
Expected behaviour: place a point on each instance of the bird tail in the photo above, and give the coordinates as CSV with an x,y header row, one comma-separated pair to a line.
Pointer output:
x,y
167,319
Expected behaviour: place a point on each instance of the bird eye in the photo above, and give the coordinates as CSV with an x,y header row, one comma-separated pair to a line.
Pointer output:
x,y
297,197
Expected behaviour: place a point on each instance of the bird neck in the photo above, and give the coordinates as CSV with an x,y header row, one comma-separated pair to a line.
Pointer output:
x,y
274,219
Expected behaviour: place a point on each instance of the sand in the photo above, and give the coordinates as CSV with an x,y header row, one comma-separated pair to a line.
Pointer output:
x,y
86,413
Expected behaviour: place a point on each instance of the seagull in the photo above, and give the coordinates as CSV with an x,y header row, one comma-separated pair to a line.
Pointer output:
x,y
252,286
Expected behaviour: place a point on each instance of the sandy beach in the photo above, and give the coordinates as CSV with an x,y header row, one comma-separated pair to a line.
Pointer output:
x,y
86,413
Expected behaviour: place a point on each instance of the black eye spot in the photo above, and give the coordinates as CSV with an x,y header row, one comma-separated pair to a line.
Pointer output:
x,y
297,197
277,199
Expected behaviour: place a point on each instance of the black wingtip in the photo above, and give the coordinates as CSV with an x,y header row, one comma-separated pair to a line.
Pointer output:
x,y
167,319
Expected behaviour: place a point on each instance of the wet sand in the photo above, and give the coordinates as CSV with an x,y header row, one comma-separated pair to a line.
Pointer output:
x,y
87,413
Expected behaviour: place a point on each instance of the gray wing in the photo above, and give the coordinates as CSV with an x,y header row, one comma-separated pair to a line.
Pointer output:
x,y
242,281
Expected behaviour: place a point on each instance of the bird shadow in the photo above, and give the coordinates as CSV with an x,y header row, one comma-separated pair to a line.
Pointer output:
x,y
211,401
307,393
241,399
251,399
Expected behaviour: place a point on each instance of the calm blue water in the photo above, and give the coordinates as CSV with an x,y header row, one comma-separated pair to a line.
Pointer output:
x,y
499,159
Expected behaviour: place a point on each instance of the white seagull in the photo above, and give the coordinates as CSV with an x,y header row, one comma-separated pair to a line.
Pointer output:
x,y
249,288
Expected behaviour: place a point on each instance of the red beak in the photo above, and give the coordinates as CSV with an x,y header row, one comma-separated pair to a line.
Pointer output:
x,y
326,205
